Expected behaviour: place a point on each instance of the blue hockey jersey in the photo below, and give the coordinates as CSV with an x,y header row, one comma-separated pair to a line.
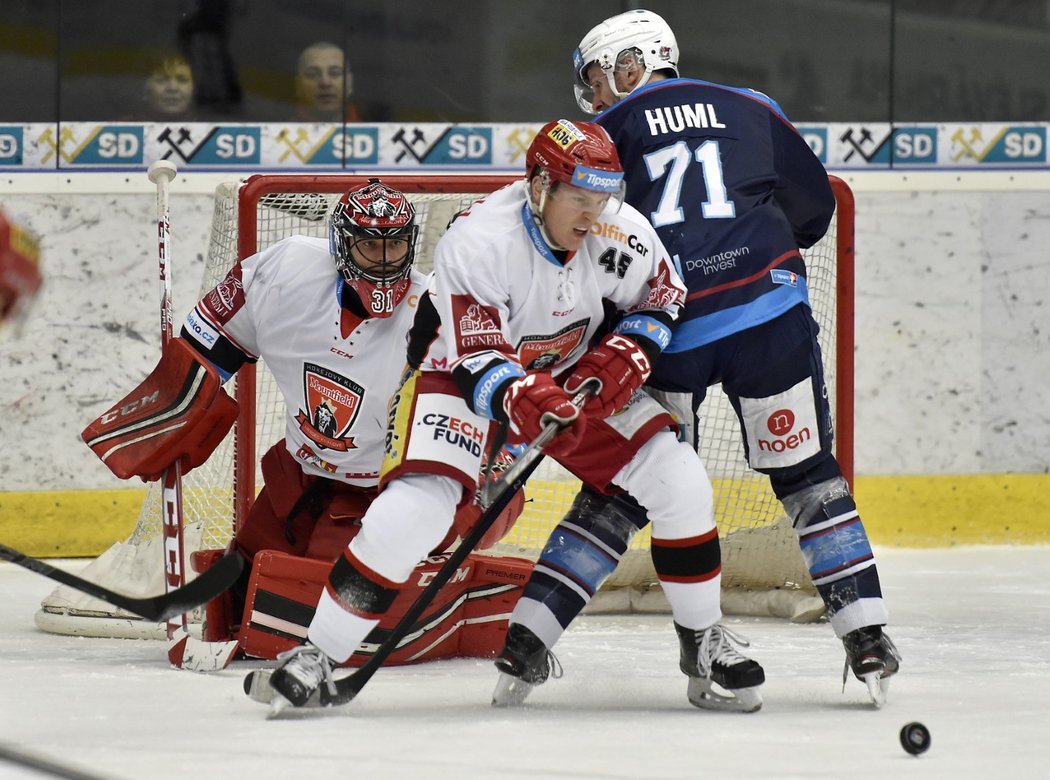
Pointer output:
x,y
733,191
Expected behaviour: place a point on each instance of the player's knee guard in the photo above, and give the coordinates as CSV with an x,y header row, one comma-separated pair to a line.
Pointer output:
x,y
587,545
834,543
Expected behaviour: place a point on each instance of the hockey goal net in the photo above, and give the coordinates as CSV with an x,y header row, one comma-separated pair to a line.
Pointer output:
x,y
763,571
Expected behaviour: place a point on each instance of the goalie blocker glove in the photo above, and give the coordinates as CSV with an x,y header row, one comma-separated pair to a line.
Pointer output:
x,y
179,414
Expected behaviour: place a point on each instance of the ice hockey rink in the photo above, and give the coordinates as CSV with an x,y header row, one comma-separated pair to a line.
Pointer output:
x,y
973,626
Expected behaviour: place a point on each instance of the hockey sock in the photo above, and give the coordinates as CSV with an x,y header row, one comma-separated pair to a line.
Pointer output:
x,y
690,573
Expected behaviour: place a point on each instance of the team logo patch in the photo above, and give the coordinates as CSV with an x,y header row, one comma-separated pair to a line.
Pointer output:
x,y
664,290
782,430
227,297
476,325
333,402
538,353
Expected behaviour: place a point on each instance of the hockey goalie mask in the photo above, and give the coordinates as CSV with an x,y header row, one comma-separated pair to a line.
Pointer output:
x,y
639,38
372,235
578,154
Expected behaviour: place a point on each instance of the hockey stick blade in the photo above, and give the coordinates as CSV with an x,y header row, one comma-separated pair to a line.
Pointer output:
x,y
513,479
157,609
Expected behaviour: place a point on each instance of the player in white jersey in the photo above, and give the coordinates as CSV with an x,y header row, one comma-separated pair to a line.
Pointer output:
x,y
508,332
330,318
19,271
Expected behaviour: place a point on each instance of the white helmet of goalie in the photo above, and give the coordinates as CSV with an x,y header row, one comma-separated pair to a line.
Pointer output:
x,y
637,37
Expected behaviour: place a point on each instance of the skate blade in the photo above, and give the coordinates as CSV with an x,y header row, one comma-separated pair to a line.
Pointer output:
x,y
510,691
278,704
878,687
702,694
257,686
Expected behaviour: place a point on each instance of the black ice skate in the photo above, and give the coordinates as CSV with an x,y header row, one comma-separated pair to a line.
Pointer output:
x,y
298,677
873,658
524,663
709,657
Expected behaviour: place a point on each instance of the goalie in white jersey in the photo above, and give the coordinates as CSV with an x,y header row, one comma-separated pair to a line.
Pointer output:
x,y
331,319
506,334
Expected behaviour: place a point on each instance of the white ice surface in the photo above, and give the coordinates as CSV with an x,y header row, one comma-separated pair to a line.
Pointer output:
x,y
973,626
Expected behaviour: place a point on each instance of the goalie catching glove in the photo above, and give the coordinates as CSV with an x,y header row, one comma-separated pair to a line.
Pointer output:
x,y
179,414
534,401
619,365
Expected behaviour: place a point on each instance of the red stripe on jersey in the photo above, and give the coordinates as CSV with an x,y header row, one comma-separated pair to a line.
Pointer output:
x,y
746,280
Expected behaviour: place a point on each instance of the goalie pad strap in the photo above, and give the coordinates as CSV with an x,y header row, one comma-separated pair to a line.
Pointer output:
x,y
152,428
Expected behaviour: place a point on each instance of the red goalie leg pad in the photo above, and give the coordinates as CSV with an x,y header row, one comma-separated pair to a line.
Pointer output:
x,y
217,612
179,413
469,514
282,594
468,618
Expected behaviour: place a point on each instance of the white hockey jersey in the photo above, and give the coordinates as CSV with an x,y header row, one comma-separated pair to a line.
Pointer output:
x,y
498,288
336,371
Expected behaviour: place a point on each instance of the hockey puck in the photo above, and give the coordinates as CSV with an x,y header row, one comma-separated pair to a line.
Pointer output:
x,y
915,738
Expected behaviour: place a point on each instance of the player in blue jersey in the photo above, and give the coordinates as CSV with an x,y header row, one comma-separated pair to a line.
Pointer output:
x,y
734,192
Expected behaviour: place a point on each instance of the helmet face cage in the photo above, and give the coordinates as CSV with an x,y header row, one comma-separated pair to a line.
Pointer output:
x,y
635,37
580,154
374,212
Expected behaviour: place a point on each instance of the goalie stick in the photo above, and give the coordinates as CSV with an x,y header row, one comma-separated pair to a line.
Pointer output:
x,y
162,173
38,763
154,608
257,683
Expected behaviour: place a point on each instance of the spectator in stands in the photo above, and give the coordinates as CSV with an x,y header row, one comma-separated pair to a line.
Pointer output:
x,y
168,91
323,85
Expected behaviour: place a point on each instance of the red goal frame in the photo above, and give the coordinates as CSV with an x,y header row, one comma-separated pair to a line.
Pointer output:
x,y
259,185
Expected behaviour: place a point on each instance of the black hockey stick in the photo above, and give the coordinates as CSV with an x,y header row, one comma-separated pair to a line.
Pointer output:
x,y
256,684
154,608
38,763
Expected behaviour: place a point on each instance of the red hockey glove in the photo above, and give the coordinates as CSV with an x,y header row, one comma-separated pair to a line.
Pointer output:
x,y
619,365
534,401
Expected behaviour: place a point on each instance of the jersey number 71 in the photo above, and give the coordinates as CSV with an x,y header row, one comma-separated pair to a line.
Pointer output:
x,y
674,161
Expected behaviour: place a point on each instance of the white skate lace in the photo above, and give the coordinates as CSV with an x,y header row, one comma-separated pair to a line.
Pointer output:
x,y
717,644
310,665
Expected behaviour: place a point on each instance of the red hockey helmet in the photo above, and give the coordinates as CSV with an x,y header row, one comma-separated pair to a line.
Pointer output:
x,y
578,153
372,235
